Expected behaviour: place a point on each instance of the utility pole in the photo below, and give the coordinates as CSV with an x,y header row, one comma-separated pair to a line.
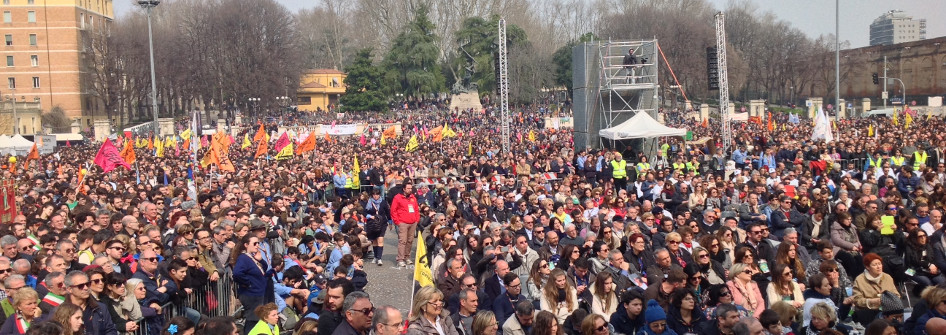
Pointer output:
x,y
723,82
837,61
885,82
149,5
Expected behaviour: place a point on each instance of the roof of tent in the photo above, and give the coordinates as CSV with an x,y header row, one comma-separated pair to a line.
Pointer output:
x,y
640,126
18,141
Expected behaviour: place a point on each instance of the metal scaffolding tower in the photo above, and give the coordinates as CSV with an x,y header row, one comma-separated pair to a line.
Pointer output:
x,y
724,117
624,89
503,81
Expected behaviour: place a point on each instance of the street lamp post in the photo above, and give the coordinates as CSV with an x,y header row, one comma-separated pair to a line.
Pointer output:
x,y
148,5
254,103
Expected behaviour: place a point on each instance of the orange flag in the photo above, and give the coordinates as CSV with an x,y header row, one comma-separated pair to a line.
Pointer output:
x,y
327,138
260,134
261,149
771,126
222,161
391,132
150,144
33,155
307,145
705,123
187,145
128,153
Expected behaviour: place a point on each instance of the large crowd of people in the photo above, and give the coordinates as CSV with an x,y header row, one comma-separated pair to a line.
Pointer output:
x,y
777,235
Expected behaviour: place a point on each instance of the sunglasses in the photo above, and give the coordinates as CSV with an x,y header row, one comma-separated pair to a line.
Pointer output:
x,y
96,281
366,311
150,259
602,328
724,294
120,249
748,272
82,286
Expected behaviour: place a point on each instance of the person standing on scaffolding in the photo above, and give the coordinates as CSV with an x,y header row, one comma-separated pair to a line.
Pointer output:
x,y
630,63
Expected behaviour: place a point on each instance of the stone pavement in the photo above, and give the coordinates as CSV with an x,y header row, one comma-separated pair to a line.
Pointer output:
x,y
387,284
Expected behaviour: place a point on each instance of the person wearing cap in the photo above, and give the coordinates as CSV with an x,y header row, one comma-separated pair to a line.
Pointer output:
x,y
656,319
405,213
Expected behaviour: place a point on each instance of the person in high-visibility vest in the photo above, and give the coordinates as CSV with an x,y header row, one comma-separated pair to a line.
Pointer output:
x,y
693,166
919,158
619,172
679,165
643,166
897,160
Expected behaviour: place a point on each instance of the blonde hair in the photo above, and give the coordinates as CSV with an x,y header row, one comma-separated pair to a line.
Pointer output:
x,y
735,269
673,235
822,310
421,298
24,294
933,295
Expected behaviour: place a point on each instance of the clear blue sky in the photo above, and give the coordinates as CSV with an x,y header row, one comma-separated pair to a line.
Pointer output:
x,y
813,17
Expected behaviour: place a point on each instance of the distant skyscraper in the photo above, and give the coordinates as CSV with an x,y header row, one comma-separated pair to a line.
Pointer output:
x,y
896,27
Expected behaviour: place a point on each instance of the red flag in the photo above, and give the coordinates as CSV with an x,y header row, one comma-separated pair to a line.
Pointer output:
x,y
108,157
282,142
362,140
68,145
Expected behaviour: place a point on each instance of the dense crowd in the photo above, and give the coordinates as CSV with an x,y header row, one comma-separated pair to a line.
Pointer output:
x,y
778,235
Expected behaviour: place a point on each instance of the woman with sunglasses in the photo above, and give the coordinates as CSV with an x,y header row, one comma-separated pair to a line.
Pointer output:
x,y
428,317
595,324
918,256
251,274
124,307
745,291
783,287
538,276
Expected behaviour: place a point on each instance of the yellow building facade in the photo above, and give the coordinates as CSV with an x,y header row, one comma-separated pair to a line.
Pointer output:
x,y
320,89
45,49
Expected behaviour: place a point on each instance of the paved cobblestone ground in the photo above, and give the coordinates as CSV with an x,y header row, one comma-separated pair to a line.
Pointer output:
x,y
389,285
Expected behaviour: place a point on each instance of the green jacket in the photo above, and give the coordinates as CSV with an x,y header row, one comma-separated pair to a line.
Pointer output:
x,y
262,328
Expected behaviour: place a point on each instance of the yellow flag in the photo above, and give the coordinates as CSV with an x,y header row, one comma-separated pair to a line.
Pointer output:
x,y
411,144
355,172
170,141
896,120
448,132
532,135
285,153
469,150
159,144
186,134
382,140
907,121
421,268
870,130
246,141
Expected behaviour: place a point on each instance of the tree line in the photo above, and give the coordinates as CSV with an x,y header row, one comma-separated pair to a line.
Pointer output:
x,y
219,53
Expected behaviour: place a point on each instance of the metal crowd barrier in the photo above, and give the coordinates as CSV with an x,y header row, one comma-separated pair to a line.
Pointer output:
x,y
211,300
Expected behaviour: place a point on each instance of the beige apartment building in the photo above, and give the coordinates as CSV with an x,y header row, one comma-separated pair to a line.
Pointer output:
x,y
44,47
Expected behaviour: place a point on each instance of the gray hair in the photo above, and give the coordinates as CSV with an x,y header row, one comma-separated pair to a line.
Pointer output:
x,y
63,242
21,264
353,297
590,236
660,250
465,293
70,278
381,315
724,309
789,231
742,327
51,276
524,308
13,278
7,240
144,205
218,229
103,212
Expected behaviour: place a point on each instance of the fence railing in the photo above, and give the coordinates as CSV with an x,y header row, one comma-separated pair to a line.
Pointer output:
x,y
216,298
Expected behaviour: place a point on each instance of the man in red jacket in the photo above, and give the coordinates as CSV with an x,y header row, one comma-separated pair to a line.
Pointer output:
x,y
405,213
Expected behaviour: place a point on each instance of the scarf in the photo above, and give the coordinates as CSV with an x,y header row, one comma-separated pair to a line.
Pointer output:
x,y
872,279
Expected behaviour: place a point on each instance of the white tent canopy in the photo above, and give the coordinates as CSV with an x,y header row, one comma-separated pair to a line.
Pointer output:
x,y
640,126
16,145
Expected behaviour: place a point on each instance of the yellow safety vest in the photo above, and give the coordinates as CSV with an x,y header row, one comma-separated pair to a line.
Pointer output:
x,y
875,163
694,167
896,161
348,180
919,158
619,169
664,149
641,167
679,166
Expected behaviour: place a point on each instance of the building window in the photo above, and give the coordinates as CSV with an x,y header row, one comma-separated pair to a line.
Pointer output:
x,y
10,61
8,39
305,100
33,40
30,2
6,2
31,17
34,60
35,82
11,83
7,17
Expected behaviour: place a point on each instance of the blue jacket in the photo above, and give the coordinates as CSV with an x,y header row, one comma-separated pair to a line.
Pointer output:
x,y
152,284
920,327
248,276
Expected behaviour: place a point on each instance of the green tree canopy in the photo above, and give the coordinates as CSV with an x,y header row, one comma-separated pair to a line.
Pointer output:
x,y
363,88
477,38
410,67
